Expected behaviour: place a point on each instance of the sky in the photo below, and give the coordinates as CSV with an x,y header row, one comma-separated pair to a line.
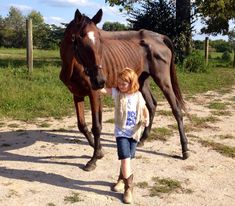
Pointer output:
x,y
62,11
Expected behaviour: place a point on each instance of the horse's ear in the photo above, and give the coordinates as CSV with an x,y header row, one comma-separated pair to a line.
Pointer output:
x,y
77,16
97,18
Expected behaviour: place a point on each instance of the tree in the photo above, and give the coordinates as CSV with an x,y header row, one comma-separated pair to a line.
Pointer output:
x,y
126,4
114,26
41,30
14,29
231,36
183,25
158,16
216,15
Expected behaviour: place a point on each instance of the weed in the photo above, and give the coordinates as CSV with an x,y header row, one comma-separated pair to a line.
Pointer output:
x,y
50,204
217,105
164,113
44,124
160,133
162,185
2,124
227,136
202,122
75,197
221,113
222,149
142,185
111,121
12,193
13,125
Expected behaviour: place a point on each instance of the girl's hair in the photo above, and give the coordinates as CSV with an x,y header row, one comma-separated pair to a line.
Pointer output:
x,y
130,76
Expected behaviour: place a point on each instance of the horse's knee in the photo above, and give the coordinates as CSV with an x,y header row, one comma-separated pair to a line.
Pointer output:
x,y
96,130
82,128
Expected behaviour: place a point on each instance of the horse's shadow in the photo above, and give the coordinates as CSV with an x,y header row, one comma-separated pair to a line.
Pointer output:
x,y
14,140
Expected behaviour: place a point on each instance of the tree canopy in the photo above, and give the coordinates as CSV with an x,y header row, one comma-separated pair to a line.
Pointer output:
x,y
216,15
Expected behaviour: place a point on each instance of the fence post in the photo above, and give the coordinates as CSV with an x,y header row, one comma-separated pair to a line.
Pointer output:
x,y
206,49
29,45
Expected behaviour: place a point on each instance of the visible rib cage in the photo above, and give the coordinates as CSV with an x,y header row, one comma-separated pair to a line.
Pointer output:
x,y
118,54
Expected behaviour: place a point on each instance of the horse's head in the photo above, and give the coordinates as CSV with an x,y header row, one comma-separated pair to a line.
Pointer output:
x,y
87,45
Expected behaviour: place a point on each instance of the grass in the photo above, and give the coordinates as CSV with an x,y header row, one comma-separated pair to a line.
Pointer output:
x,y
164,185
202,122
227,136
221,113
74,197
42,94
160,133
111,121
224,150
217,105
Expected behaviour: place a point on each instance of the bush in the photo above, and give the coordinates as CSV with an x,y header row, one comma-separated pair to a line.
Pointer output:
x,y
195,62
226,56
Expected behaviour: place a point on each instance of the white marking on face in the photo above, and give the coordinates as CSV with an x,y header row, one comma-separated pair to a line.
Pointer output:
x,y
91,36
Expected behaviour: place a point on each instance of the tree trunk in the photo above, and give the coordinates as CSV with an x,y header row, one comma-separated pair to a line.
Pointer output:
x,y
183,22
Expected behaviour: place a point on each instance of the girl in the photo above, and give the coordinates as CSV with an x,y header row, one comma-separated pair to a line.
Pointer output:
x,y
131,116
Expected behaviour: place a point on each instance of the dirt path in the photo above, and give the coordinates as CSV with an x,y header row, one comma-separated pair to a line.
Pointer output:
x,y
41,162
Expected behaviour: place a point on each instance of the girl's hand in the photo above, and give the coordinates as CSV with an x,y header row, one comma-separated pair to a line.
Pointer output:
x,y
106,91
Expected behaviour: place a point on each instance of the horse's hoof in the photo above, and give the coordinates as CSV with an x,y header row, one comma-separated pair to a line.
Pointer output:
x,y
89,167
185,155
140,144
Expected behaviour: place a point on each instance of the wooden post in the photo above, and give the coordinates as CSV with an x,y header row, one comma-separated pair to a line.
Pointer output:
x,y
206,49
29,45
234,57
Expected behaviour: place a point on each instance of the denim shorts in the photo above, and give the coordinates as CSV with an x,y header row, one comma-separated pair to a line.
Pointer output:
x,y
126,147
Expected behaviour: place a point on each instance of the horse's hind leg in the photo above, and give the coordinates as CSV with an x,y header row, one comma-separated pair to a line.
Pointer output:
x,y
79,106
162,78
150,103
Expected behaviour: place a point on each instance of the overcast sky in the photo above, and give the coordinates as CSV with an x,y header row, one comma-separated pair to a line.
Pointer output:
x,y
62,11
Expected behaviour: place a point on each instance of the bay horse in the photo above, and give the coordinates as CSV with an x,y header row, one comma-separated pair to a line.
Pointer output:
x,y
91,59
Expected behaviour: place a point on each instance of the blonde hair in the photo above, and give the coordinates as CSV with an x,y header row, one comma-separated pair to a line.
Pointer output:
x,y
130,76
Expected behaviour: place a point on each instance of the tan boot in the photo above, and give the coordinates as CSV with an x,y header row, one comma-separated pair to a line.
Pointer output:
x,y
128,194
119,186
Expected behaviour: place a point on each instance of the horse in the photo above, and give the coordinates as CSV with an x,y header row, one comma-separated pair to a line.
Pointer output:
x,y
92,58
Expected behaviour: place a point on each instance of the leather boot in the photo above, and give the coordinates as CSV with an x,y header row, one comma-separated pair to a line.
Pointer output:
x,y
119,186
128,194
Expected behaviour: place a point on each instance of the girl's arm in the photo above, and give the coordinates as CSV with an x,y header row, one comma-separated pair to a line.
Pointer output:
x,y
106,91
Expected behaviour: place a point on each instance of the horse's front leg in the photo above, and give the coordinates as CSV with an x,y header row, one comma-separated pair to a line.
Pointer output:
x,y
79,106
96,110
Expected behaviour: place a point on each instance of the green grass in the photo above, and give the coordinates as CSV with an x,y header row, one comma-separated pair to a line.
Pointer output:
x,y
164,185
224,150
160,133
42,94
217,105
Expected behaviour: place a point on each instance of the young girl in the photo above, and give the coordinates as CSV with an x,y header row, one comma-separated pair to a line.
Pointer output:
x,y
131,116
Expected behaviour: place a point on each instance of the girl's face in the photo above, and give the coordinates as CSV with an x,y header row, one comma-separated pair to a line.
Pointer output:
x,y
123,86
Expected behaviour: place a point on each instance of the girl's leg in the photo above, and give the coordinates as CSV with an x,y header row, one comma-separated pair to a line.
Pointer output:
x,y
126,167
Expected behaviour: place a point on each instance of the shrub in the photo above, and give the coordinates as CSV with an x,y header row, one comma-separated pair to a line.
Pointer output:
x,y
226,56
195,62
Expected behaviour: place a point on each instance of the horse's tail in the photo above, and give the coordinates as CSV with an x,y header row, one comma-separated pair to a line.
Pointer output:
x,y
174,81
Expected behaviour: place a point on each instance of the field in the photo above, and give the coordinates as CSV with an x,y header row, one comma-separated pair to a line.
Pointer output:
x,y
42,153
